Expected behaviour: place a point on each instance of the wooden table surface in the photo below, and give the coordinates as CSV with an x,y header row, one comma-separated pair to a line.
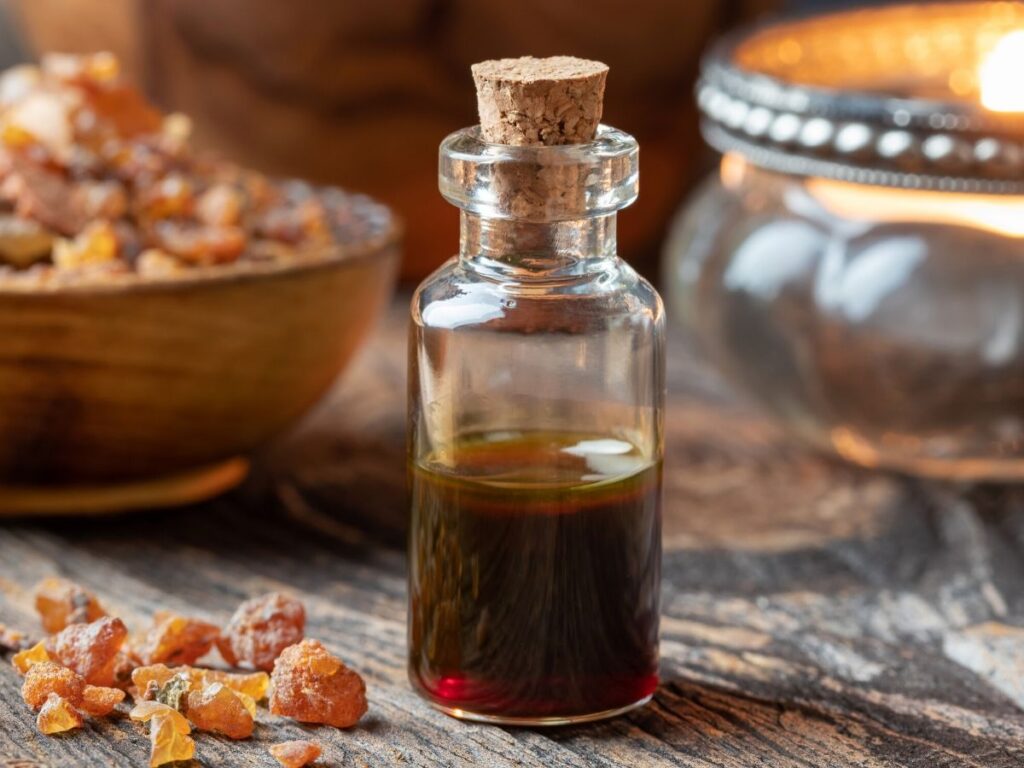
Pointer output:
x,y
814,614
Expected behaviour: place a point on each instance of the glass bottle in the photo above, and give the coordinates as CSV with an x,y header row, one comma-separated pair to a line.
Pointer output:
x,y
883,324
855,266
536,367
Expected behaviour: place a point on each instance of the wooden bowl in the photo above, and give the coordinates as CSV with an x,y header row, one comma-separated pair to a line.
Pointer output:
x,y
140,394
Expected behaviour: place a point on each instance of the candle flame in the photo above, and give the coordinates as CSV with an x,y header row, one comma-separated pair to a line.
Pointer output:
x,y
1002,89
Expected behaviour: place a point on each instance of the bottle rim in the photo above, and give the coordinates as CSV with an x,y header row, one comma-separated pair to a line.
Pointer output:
x,y
539,183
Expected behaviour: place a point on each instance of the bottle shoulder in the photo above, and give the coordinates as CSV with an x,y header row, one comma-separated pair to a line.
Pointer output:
x,y
458,297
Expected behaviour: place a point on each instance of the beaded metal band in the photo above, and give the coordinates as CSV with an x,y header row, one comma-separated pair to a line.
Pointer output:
x,y
858,136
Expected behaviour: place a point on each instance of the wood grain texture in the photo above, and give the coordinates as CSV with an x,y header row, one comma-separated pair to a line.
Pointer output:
x,y
814,614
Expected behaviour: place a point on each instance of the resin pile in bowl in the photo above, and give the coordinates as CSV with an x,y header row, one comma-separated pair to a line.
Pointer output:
x,y
163,313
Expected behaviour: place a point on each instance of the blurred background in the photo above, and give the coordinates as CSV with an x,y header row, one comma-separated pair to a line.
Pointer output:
x,y
360,94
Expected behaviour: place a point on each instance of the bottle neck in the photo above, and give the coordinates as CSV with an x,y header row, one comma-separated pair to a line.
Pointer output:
x,y
510,248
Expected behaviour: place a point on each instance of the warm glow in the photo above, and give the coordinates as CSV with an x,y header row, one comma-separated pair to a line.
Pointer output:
x,y
733,170
1002,214
1002,75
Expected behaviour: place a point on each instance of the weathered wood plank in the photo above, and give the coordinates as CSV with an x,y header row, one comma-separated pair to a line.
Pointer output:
x,y
814,614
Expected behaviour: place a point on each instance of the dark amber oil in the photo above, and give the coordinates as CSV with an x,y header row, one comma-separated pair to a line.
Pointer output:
x,y
534,577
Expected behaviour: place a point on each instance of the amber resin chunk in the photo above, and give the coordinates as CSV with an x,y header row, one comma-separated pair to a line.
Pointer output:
x,y
312,686
156,674
90,649
46,677
176,640
57,715
174,693
260,629
170,197
220,205
145,711
218,708
295,754
167,742
124,665
253,684
168,732
61,602
99,701
24,660
95,245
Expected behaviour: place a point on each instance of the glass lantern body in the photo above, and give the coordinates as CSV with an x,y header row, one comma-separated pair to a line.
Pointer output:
x,y
536,366
885,324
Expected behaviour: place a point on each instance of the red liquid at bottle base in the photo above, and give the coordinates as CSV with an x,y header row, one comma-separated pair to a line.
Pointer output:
x,y
535,575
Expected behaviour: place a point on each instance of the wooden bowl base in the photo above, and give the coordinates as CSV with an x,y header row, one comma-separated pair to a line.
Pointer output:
x,y
173,490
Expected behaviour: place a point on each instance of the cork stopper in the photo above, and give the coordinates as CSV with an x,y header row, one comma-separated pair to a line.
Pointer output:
x,y
535,102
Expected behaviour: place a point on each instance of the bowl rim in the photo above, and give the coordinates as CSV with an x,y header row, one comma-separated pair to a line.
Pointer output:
x,y
380,244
